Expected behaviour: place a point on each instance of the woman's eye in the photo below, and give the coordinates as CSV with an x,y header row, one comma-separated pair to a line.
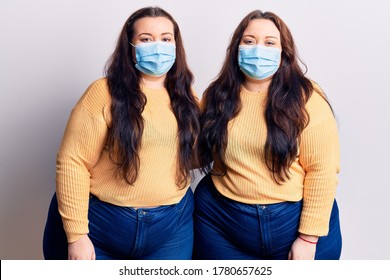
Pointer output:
x,y
166,39
147,39
270,43
249,42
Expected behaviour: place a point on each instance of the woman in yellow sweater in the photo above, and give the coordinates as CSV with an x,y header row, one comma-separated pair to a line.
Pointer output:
x,y
273,141
123,167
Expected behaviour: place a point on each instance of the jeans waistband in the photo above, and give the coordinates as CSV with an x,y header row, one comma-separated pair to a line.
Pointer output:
x,y
251,207
156,209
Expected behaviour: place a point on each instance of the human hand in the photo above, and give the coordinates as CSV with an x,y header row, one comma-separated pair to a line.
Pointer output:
x,y
303,249
81,249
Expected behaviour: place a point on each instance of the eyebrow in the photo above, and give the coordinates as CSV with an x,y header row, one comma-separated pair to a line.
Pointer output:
x,y
247,35
252,36
149,34
272,37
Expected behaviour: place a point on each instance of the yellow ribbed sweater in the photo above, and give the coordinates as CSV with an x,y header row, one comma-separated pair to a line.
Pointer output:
x,y
84,167
313,174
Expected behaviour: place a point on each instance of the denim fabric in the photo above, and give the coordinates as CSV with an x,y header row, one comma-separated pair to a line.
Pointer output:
x,y
164,232
226,229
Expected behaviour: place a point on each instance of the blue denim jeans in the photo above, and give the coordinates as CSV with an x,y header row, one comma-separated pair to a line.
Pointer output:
x,y
164,232
227,229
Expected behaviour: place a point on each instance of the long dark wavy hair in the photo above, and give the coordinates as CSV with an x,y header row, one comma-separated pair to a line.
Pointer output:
x,y
285,112
128,102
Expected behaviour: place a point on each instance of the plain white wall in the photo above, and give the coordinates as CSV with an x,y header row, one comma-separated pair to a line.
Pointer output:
x,y
50,51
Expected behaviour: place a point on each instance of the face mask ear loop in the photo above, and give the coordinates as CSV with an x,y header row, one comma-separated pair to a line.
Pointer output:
x,y
135,62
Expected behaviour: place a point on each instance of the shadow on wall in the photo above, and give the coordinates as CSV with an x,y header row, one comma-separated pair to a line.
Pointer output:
x,y
28,175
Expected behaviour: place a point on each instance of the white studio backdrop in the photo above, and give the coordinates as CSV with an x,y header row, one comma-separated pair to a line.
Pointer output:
x,y
50,51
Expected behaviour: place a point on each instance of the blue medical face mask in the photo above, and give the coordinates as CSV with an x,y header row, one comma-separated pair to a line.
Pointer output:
x,y
155,58
258,62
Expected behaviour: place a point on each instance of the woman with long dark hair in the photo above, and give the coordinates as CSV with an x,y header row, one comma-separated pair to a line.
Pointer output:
x,y
269,146
123,168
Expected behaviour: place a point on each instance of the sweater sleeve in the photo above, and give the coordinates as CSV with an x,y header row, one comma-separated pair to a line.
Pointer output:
x,y
84,138
320,159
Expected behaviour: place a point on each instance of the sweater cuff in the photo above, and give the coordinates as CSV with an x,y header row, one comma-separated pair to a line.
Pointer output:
x,y
73,237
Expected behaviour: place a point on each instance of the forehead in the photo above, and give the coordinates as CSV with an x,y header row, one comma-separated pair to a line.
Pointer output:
x,y
156,25
262,27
